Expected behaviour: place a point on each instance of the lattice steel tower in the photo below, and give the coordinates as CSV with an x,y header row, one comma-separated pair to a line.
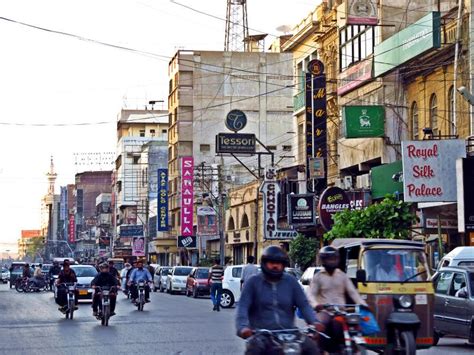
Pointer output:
x,y
236,28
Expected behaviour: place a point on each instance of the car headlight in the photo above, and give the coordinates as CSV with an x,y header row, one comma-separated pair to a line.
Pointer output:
x,y
404,301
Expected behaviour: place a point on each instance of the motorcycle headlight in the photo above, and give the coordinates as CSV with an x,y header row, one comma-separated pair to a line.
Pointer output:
x,y
405,301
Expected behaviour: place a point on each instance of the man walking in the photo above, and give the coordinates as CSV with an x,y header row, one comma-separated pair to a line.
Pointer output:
x,y
216,274
249,270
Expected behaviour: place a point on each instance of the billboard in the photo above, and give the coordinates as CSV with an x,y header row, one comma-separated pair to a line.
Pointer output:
x,y
429,169
71,229
364,121
131,230
235,143
423,35
332,201
138,246
162,214
187,196
207,221
301,210
361,12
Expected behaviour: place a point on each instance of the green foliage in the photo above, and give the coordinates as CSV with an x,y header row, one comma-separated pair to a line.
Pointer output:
x,y
390,219
303,250
35,247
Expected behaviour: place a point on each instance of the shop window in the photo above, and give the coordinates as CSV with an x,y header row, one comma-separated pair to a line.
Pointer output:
x,y
414,120
357,42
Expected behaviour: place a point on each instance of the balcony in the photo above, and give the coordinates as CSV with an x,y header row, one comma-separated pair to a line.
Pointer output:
x,y
298,101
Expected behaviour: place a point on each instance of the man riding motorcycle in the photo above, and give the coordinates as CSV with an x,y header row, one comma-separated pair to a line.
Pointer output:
x,y
268,301
66,275
104,279
138,274
330,286
54,271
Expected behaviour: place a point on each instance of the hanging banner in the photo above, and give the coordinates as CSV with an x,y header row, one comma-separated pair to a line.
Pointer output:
x,y
162,214
187,196
138,246
207,221
301,210
316,115
270,189
332,201
72,229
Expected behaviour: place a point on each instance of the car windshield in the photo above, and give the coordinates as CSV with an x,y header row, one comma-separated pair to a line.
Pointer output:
x,y
17,268
85,271
202,274
165,272
182,271
395,265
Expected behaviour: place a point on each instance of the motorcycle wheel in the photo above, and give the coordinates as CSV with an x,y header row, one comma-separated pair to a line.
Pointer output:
x,y
407,341
18,286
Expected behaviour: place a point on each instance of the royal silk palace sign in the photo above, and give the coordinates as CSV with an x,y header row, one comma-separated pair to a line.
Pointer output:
x,y
270,189
429,169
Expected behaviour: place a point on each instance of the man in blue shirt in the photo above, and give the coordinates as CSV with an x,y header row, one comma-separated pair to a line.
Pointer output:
x,y
140,274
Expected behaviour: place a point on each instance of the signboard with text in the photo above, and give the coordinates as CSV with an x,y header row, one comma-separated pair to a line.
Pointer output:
x,y
235,143
465,192
354,76
189,242
361,12
332,201
301,211
187,196
429,169
162,219
364,121
138,246
72,229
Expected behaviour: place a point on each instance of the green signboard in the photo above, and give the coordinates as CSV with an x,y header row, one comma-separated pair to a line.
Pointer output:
x,y
387,179
364,121
410,42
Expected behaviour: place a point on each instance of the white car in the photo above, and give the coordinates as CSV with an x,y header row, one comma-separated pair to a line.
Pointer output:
x,y
231,285
160,277
176,280
85,274
308,276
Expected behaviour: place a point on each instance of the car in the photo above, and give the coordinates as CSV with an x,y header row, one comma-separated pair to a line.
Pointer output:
x,y
119,263
5,275
460,256
294,272
85,274
308,275
176,280
45,268
197,283
160,277
454,303
16,271
231,285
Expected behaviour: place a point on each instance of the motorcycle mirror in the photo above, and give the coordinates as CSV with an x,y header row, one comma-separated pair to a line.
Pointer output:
x,y
361,276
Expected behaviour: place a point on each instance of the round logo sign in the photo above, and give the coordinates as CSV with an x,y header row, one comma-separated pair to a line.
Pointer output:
x,y
331,201
236,120
315,67
301,203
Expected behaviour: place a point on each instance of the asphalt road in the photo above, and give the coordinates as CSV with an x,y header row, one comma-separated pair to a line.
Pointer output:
x,y
31,324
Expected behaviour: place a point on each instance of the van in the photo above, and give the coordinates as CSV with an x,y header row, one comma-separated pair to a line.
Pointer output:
x,y
460,256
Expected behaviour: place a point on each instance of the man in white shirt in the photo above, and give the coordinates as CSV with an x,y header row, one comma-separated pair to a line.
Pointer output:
x,y
385,270
249,270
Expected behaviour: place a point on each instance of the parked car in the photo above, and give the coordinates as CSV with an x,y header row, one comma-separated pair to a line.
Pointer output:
x,y
294,272
5,275
16,271
231,285
460,256
176,280
308,275
160,277
197,282
454,303
85,274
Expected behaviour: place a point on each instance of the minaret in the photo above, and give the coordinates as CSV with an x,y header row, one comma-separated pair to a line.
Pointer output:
x,y
51,177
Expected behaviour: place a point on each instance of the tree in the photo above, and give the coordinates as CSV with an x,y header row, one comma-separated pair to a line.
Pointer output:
x,y
36,246
303,250
391,219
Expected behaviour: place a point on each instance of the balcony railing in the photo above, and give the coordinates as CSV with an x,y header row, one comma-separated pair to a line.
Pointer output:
x,y
298,101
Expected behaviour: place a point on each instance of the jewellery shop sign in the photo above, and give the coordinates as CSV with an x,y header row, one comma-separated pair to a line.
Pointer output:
x,y
301,210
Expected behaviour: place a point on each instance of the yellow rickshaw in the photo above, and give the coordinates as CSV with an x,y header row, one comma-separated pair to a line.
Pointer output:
x,y
394,278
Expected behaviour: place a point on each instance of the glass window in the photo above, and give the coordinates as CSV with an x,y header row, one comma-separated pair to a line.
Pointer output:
x,y
237,272
356,43
444,280
452,124
182,271
414,120
459,282
85,271
202,274
434,113
395,265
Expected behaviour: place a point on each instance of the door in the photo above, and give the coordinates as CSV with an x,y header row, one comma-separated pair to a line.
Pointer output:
x,y
456,310
234,281
442,284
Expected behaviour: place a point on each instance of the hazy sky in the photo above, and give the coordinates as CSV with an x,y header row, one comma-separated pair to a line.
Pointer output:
x,y
47,78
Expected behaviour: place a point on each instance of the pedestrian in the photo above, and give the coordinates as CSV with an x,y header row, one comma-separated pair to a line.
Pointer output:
x,y
249,270
150,268
216,274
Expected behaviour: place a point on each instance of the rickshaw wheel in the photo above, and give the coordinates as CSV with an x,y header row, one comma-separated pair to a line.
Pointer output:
x,y
408,340
436,338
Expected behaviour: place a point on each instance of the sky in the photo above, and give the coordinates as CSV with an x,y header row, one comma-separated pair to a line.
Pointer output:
x,y
50,82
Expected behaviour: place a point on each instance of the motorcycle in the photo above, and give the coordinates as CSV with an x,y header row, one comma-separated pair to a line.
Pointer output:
x,y
35,285
104,314
140,303
350,318
71,299
285,341
21,284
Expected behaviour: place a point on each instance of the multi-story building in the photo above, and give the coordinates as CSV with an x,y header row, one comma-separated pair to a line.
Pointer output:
x,y
204,87
30,244
103,226
141,141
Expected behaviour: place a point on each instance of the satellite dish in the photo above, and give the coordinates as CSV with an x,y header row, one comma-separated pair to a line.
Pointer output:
x,y
286,29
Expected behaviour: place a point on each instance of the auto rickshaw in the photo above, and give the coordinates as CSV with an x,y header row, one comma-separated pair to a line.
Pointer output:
x,y
394,278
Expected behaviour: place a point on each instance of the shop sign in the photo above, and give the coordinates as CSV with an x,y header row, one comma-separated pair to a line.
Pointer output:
x,y
465,183
189,242
207,221
354,76
235,143
429,169
301,210
138,246
129,231
386,179
187,196
332,201
270,189
433,223
361,12
162,200
316,168
364,121
236,120
72,229
423,35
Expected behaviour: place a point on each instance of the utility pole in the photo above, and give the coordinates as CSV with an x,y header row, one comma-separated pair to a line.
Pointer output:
x,y
220,201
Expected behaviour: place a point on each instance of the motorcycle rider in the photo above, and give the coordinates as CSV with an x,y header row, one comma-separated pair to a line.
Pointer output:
x,y
268,301
66,275
138,274
26,271
113,270
129,272
123,276
54,271
330,286
38,277
104,279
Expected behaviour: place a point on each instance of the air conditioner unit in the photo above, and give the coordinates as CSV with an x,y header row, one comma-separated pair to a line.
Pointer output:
x,y
363,181
339,183
347,182
230,178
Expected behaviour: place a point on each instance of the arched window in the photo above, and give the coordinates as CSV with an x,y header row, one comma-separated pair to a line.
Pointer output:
x,y
452,124
231,224
245,221
434,114
414,120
